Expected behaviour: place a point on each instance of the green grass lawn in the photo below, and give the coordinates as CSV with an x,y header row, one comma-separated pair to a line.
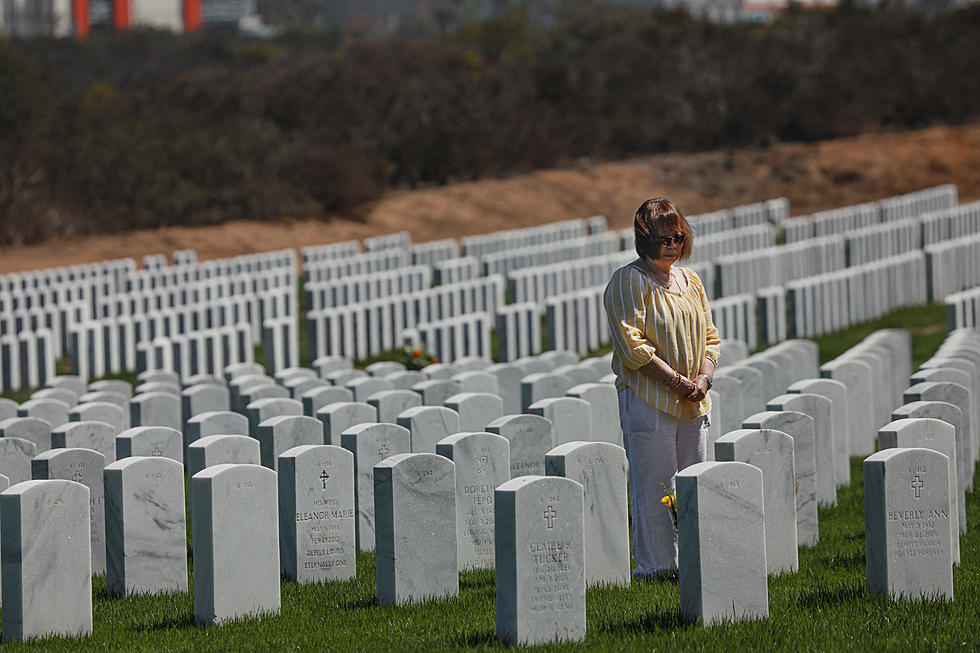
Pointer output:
x,y
823,607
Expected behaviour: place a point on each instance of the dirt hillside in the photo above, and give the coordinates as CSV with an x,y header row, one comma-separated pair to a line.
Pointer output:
x,y
813,176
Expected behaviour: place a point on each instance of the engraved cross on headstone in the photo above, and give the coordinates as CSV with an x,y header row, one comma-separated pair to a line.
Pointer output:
x,y
917,485
323,477
549,516
383,451
157,451
77,476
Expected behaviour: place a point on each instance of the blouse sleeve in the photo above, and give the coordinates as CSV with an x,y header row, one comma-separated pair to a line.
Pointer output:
x,y
626,309
712,343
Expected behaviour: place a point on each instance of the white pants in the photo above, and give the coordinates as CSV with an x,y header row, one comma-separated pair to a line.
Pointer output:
x,y
657,447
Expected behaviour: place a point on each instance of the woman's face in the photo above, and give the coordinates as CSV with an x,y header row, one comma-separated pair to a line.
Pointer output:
x,y
669,246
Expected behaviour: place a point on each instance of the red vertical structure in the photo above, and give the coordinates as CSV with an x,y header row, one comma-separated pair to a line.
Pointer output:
x,y
79,14
121,18
192,15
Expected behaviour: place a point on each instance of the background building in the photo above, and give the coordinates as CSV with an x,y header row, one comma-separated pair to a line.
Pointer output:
x,y
79,17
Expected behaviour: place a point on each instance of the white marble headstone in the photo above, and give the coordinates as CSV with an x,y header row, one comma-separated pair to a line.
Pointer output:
x,y
720,519
772,452
600,467
415,507
146,531
236,570
371,443
908,532
428,425
482,463
531,438
317,514
81,466
540,556
47,590
283,432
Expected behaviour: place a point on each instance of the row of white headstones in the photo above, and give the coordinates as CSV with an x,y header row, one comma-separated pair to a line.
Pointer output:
x,y
550,525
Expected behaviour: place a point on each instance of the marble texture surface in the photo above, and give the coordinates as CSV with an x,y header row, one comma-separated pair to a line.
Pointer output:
x,y
316,398
53,411
434,392
428,425
939,410
100,411
8,408
750,383
726,408
46,560
475,409
542,385
540,552
836,392
15,458
204,398
856,376
509,383
73,382
150,441
33,429
908,531
531,438
340,416
415,505
317,533
600,467
236,570
482,463
124,388
83,466
371,443
772,452
278,434
800,428
262,409
222,449
959,396
935,434
721,541
818,408
391,403
88,435
476,381
603,409
405,379
219,422
155,409
146,528
571,418
249,394
365,386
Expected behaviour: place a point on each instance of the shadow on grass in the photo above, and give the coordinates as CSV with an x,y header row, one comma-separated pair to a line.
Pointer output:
x,y
820,598
656,620
482,638
359,604
174,622
476,583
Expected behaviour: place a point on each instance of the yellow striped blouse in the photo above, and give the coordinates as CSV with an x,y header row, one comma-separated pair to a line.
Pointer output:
x,y
647,320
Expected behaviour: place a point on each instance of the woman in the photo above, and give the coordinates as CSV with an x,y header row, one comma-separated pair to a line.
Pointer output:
x,y
665,346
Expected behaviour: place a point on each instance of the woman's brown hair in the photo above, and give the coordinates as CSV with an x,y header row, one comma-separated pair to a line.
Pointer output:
x,y
656,218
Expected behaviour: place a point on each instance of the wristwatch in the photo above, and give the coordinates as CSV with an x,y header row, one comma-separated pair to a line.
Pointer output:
x,y
706,378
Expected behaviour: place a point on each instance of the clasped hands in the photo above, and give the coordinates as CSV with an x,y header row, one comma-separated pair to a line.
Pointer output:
x,y
692,389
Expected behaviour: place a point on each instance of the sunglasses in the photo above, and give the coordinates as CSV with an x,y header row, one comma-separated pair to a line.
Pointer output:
x,y
677,239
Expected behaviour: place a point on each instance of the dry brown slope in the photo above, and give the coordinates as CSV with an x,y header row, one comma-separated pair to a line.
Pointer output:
x,y
813,176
